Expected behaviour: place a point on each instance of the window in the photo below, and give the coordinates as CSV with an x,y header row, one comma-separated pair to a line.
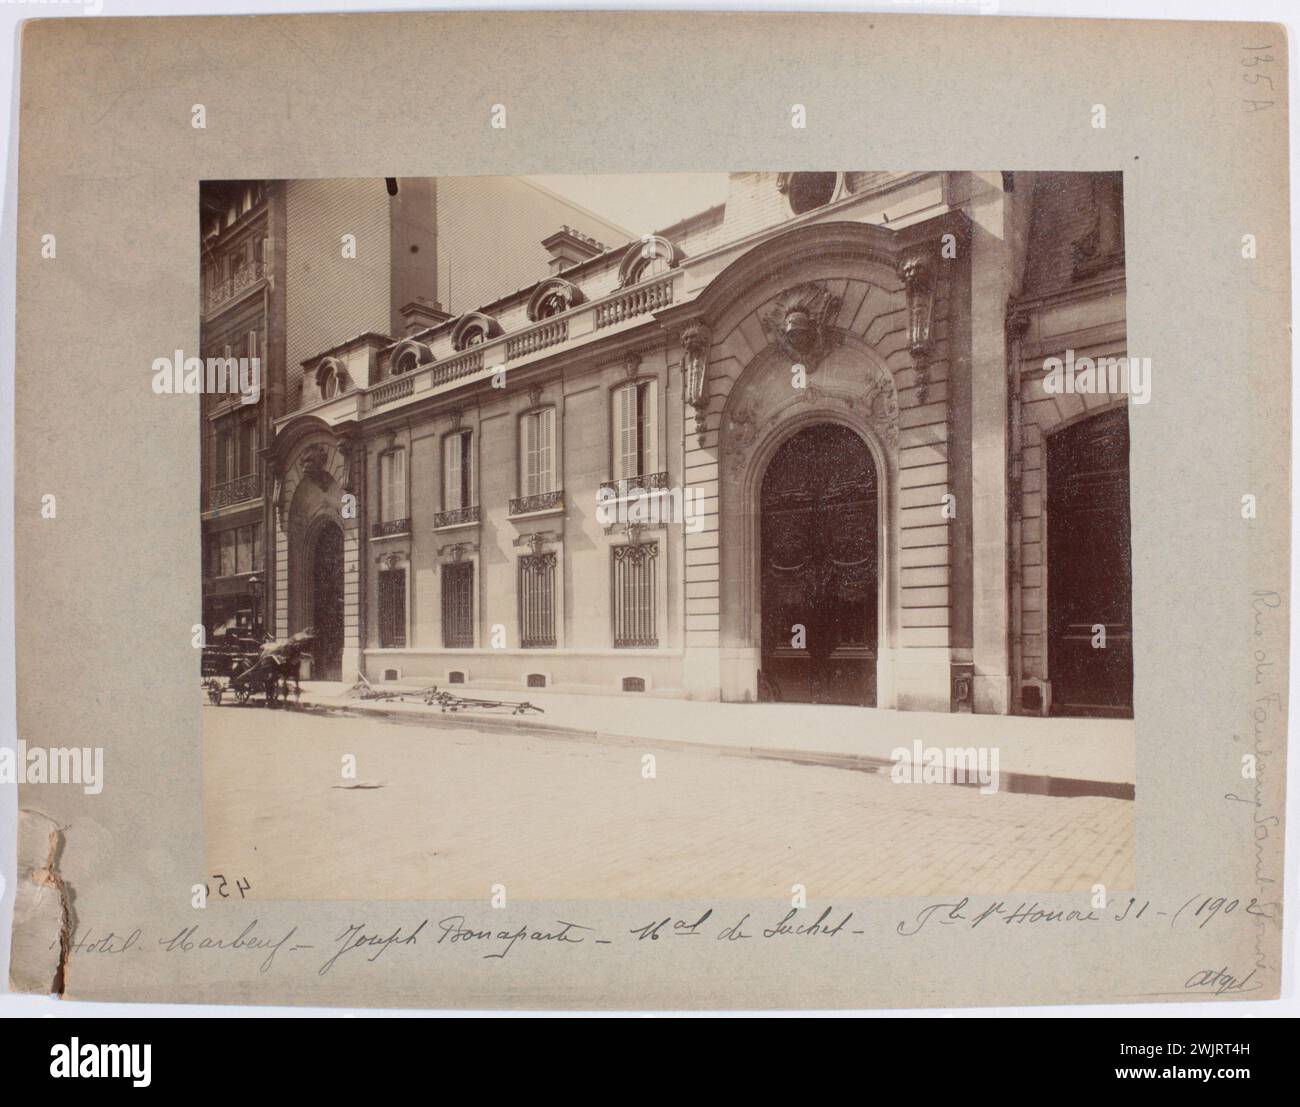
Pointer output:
x,y
223,461
635,578
227,553
392,486
392,609
537,600
329,384
635,454
457,471
458,605
247,459
810,190
537,452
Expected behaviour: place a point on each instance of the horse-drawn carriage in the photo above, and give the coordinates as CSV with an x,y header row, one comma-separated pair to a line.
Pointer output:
x,y
269,670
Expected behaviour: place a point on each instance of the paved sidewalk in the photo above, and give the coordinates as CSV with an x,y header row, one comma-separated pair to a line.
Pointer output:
x,y
1057,756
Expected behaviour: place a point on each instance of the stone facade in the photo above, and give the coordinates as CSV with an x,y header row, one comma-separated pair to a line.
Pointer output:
x,y
466,499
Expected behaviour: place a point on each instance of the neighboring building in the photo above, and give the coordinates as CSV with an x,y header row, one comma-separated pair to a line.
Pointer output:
x,y
242,292
839,375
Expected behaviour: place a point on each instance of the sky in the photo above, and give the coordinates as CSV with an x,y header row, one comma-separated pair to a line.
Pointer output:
x,y
641,202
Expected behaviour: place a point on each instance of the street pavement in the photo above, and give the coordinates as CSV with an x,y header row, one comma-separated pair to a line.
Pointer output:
x,y
437,811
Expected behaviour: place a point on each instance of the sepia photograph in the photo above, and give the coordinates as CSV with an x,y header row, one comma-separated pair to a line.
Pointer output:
x,y
693,548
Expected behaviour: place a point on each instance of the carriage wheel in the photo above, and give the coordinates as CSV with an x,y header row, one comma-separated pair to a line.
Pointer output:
x,y
214,694
242,695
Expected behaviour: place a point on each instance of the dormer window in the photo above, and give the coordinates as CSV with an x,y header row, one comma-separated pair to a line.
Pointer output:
x,y
652,257
407,356
553,296
331,378
473,329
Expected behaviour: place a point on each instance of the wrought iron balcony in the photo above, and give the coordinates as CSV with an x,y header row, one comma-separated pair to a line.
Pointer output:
x,y
626,486
543,501
235,491
242,279
456,517
390,528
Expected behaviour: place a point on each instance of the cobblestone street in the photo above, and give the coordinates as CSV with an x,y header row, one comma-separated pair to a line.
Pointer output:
x,y
445,813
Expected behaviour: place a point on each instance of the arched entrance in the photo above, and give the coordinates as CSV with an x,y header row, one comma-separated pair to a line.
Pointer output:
x,y
327,602
819,569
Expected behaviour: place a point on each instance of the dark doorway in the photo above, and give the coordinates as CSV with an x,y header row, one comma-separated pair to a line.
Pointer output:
x,y
819,570
327,603
1089,570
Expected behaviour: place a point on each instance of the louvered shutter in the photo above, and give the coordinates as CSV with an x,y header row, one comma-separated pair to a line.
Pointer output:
x,y
451,498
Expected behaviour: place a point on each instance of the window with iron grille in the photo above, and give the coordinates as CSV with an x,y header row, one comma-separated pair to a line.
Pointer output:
x,y
392,609
537,600
635,585
458,605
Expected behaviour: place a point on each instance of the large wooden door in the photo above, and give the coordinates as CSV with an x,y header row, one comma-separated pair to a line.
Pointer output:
x,y
819,570
327,603
1089,573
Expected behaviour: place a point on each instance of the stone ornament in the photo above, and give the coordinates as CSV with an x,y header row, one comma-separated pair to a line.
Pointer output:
x,y
802,324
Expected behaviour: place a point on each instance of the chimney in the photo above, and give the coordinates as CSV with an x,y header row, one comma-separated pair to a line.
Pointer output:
x,y
419,314
568,248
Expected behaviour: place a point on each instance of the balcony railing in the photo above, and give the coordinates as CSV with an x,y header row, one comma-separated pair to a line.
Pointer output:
x,y
396,389
235,491
626,486
242,279
456,517
579,324
551,333
543,501
635,301
390,528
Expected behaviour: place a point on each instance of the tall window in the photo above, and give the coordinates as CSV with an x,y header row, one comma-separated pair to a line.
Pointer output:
x,y
457,471
635,610
634,430
458,605
537,452
392,609
537,600
247,445
392,486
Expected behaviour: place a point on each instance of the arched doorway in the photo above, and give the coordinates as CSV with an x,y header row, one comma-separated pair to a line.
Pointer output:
x,y
1089,567
819,569
327,602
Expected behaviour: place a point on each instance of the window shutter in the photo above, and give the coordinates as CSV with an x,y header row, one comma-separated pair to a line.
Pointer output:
x,y
649,428
530,454
625,415
399,483
546,451
451,498
468,492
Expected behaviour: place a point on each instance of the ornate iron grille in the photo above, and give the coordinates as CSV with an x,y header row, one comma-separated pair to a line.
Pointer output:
x,y
458,605
635,587
537,600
